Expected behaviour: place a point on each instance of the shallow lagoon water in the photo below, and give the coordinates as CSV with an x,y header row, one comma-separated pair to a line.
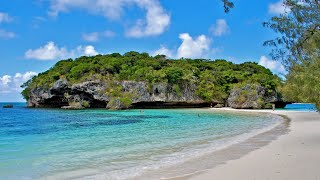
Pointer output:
x,y
300,107
53,143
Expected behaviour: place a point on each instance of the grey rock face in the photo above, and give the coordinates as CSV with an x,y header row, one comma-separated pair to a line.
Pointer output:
x,y
59,85
251,96
218,106
96,89
72,107
160,92
61,94
37,97
93,94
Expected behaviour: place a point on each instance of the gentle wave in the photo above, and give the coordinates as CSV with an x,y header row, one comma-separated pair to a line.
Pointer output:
x,y
100,144
177,158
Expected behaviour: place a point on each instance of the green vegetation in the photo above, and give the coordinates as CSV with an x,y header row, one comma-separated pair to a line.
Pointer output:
x,y
86,104
227,5
213,79
76,104
298,47
303,83
118,97
177,90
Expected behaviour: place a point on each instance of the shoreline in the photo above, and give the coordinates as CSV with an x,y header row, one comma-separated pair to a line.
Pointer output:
x,y
153,173
243,144
294,155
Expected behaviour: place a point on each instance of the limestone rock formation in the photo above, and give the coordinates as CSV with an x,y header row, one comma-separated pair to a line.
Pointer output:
x,y
94,94
132,94
253,96
219,106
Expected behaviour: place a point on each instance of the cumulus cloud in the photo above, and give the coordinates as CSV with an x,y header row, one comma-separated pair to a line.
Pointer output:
x,y
11,84
95,36
51,51
47,52
155,22
220,27
7,34
278,8
5,80
274,66
4,17
87,50
198,47
193,48
164,51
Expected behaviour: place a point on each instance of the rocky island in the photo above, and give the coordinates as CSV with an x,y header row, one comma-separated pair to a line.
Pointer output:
x,y
138,80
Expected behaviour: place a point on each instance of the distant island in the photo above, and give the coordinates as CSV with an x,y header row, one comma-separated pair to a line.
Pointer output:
x,y
138,80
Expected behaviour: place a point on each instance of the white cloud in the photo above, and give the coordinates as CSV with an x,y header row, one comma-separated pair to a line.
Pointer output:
x,y
193,48
155,22
11,84
5,79
164,51
87,50
95,36
7,34
190,47
51,51
91,37
278,8
47,52
220,27
108,8
108,34
274,66
4,17
37,21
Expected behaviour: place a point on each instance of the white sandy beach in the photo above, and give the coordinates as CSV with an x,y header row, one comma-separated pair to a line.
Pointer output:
x,y
293,156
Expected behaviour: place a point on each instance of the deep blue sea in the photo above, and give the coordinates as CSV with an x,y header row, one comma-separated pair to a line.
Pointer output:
x,y
60,144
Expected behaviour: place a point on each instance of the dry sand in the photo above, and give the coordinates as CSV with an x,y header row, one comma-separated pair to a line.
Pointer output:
x,y
293,156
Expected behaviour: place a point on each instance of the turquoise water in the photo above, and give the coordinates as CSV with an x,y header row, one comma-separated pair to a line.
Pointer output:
x,y
300,107
53,143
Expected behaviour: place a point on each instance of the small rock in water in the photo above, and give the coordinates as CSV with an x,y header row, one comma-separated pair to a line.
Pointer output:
x,y
72,107
219,106
8,106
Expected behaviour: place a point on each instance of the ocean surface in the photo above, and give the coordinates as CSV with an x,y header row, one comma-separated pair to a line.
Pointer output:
x,y
300,107
60,144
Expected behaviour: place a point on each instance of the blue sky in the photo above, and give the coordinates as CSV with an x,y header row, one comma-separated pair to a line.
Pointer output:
x,y
35,34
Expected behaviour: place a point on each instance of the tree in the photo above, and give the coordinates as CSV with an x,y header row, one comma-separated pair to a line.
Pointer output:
x,y
297,28
298,47
227,5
